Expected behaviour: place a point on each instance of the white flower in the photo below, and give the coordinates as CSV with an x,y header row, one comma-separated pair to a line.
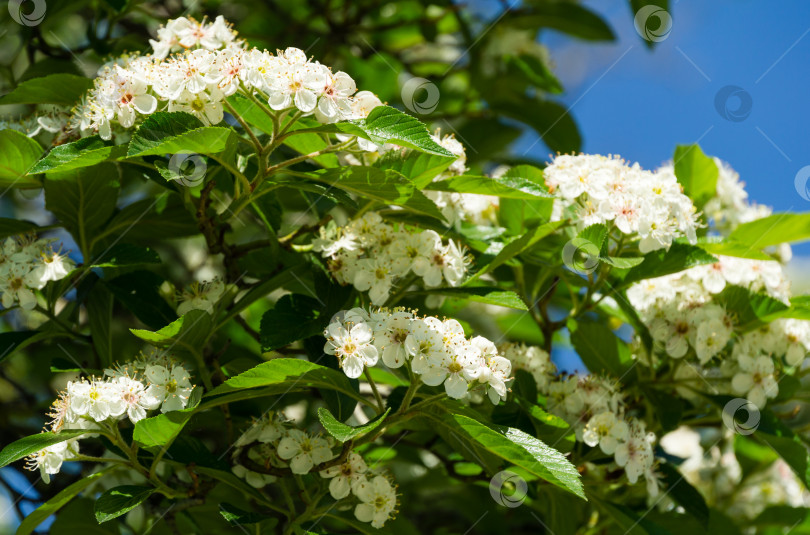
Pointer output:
x,y
442,263
54,267
425,344
303,451
205,106
49,460
607,431
756,379
375,276
378,502
200,296
91,398
296,82
712,336
390,338
353,347
346,476
136,400
131,96
334,103
635,454
172,388
14,287
254,479
496,374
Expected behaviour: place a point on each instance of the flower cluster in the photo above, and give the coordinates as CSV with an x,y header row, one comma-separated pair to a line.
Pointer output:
x,y
686,318
272,441
715,471
531,359
596,412
594,189
127,391
209,65
435,350
28,264
372,256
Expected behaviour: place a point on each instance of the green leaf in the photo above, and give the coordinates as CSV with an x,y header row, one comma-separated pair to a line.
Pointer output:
x,y
10,341
52,506
251,113
177,133
513,446
302,143
551,121
386,186
729,247
786,443
517,215
534,69
293,318
120,500
148,220
623,262
83,199
418,167
237,517
99,305
696,172
126,254
160,430
506,186
573,19
480,294
550,428
13,227
287,374
600,350
781,515
750,307
32,444
82,153
685,494
61,89
138,292
186,332
18,153
679,257
773,230
385,124
517,246
388,125
345,433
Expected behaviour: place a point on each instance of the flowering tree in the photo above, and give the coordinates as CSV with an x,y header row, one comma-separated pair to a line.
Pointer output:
x,y
367,341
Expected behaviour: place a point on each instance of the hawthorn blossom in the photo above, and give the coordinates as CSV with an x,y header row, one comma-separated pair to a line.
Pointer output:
x,y
303,451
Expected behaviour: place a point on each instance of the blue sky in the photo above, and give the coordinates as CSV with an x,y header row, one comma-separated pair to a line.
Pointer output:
x,y
640,103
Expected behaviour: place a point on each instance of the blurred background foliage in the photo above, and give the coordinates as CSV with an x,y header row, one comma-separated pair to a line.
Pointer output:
x,y
474,70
